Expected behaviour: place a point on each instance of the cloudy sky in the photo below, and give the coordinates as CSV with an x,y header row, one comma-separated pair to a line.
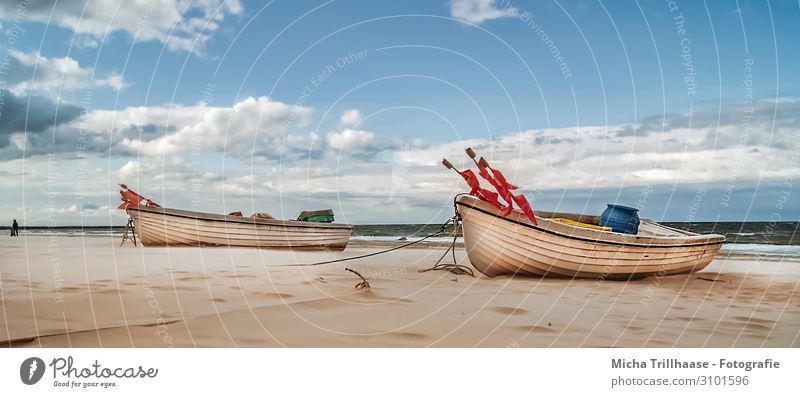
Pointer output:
x,y
689,110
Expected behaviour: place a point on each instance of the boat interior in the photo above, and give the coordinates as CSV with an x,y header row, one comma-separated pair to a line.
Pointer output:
x,y
647,227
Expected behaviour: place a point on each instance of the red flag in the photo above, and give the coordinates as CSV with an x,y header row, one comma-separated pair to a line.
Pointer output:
x,y
132,199
523,204
502,179
504,192
504,188
479,192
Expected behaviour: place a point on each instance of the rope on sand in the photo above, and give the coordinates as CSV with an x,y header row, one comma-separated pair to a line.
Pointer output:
x,y
455,268
441,230
364,284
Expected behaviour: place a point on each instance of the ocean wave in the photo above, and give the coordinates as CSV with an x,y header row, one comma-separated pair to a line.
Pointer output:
x,y
792,251
771,250
408,239
763,250
73,233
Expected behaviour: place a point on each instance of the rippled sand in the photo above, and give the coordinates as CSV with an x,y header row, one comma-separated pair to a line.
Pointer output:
x,y
71,291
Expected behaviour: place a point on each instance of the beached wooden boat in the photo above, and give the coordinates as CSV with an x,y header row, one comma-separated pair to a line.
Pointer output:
x,y
512,244
157,226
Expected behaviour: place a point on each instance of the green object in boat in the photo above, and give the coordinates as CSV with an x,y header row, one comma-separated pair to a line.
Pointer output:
x,y
324,216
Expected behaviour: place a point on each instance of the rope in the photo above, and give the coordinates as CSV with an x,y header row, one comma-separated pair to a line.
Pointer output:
x,y
455,268
364,284
451,267
441,230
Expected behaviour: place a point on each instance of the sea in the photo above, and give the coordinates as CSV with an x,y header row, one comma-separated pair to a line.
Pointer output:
x,y
774,239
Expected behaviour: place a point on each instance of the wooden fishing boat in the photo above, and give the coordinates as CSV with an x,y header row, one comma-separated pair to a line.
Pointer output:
x,y
512,244
158,226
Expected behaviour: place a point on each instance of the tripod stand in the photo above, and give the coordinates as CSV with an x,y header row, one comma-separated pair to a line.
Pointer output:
x,y
130,233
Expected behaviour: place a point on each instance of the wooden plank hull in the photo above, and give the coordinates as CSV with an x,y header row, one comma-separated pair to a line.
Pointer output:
x,y
171,227
498,245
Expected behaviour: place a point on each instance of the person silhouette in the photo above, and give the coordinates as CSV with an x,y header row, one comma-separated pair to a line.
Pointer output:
x,y
15,229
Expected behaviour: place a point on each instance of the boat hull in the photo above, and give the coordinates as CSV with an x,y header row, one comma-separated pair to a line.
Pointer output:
x,y
498,245
157,226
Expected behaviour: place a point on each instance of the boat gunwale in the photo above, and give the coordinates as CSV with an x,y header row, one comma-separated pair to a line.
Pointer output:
x,y
713,239
236,219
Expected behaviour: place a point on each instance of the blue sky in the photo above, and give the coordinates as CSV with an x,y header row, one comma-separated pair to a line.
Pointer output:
x,y
281,105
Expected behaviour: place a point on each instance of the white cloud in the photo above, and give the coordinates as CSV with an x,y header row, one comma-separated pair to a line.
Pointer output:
x,y
114,81
54,74
350,118
128,172
172,172
349,139
251,125
477,11
667,152
179,24
86,41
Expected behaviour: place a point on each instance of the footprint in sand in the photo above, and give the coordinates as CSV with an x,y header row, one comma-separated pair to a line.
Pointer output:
x,y
508,310
635,328
410,335
252,342
535,329
401,300
111,291
243,276
272,295
318,280
172,288
192,278
756,324
754,320
167,322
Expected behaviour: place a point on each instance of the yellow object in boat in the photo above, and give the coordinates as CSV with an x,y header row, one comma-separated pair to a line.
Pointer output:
x,y
581,224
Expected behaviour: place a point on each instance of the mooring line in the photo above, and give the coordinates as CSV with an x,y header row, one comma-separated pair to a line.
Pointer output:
x,y
441,230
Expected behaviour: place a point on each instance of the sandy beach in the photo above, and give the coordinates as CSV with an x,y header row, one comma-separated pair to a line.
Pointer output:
x,y
62,291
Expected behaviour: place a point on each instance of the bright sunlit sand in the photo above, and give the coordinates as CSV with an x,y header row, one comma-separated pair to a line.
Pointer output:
x,y
61,291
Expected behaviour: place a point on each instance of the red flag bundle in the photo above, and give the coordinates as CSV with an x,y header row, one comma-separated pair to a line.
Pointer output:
x,y
499,182
132,199
479,192
504,188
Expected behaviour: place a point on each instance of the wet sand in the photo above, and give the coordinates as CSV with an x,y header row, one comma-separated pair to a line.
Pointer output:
x,y
62,291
